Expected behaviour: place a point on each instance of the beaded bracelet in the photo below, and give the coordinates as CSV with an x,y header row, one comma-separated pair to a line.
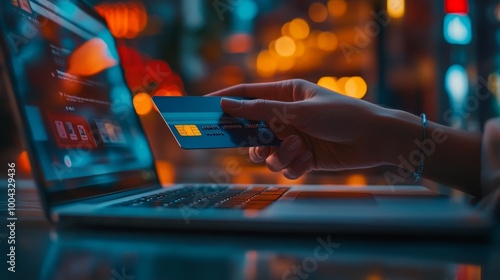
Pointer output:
x,y
418,175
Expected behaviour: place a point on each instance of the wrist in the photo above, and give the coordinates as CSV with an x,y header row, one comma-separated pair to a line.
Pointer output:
x,y
400,132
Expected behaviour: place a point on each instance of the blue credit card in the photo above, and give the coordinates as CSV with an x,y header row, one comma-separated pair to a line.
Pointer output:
x,y
198,122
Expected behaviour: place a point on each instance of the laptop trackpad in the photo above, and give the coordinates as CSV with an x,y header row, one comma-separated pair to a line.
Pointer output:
x,y
351,198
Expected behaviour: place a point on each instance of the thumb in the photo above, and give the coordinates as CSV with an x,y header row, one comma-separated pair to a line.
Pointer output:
x,y
258,109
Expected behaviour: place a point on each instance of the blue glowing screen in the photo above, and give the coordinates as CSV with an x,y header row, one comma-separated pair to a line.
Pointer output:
x,y
69,85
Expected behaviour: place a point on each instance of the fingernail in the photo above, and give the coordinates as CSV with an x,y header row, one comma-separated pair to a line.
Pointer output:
x,y
305,157
294,144
230,103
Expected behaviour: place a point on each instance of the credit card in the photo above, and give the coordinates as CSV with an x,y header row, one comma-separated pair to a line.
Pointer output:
x,y
198,122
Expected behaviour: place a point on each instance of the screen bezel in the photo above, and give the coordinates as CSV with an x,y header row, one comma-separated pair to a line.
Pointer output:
x,y
134,179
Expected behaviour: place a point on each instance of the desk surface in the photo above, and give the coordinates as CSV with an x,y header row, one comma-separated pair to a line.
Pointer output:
x,y
46,252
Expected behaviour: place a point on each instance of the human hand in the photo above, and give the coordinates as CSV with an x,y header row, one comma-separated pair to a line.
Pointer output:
x,y
320,129
490,159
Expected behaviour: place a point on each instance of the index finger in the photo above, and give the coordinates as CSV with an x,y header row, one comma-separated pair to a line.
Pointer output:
x,y
280,91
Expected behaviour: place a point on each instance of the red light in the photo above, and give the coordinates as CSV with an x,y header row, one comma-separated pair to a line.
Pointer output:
x,y
456,6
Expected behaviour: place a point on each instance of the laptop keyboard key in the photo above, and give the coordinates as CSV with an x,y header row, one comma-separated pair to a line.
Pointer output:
x,y
265,197
220,197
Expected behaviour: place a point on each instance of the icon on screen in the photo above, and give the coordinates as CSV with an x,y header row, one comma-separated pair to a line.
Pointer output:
x,y
110,129
66,129
71,131
67,161
119,135
102,131
82,132
60,130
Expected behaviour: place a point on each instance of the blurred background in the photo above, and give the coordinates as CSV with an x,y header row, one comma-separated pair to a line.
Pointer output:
x,y
439,57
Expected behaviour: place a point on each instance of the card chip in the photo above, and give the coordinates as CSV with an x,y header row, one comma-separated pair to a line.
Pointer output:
x,y
188,130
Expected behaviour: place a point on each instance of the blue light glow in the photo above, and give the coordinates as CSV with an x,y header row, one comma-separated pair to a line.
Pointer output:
x,y
246,9
457,29
456,83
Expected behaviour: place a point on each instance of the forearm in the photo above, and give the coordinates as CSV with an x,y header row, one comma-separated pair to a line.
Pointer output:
x,y
452,157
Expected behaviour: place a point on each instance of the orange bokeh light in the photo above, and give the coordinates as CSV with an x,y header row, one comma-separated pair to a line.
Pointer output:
x,y
166,172
356,87
167,90
24,162
357,180
396,8
327,41
285,46
351,86
318,12
329,83
125,20
90,58
266,64
143,103
337,8
298,28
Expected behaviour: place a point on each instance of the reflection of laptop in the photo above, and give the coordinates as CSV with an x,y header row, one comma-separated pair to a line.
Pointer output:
x,y
93,164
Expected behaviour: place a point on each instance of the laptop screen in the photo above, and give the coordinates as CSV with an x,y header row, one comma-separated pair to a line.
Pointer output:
x,y
83,133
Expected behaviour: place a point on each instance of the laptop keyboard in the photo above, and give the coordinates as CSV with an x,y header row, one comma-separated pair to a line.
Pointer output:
x,y
201,197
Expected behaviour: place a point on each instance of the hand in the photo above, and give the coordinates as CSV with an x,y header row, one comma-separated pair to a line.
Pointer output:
x,y
490,159
320,129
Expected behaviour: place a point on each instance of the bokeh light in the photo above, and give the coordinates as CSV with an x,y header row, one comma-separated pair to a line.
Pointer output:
x,y
285,46
312,40
167,90
300,49
456,6
166,172
143,103
299,28
329,83
456,83
286,63
266,64
24,162
337,8
318,12
351,86
396,8
90,58
341,84
327,41
494,83
356,180
238,43
356,87
457,29
246,9
125,20
285,29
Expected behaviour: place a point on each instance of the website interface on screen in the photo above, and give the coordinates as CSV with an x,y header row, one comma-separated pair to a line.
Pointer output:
x,y
69,82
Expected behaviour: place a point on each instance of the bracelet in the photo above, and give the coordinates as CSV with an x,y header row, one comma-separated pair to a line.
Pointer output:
x,y
418,175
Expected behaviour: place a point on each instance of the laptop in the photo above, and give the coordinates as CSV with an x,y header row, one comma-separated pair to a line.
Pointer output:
x,y
93,165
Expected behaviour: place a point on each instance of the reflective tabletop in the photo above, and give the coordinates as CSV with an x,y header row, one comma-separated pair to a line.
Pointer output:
x,y
47,252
